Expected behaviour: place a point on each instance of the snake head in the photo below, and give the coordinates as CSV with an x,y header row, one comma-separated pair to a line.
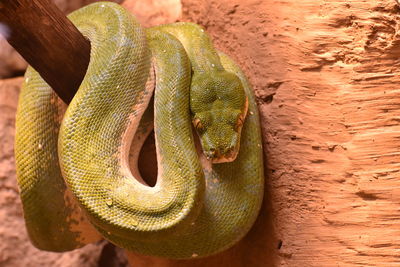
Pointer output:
x,y
218,104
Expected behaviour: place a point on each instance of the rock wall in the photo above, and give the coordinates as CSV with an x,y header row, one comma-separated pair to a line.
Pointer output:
x,y
324,73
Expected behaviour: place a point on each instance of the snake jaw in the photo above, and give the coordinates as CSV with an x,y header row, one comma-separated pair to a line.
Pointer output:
x,y
220,144
225,155
222,155
224,158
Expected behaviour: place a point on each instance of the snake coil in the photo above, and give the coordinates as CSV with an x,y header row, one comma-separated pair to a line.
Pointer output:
x,y
73,169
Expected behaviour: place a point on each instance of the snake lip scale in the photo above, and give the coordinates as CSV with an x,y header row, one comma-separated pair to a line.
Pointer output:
x,y
76,184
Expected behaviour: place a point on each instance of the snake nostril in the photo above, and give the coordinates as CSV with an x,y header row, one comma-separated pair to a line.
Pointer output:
x,y
214,153
210,154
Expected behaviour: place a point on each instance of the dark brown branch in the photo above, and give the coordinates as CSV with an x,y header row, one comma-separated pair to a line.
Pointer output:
x,y
48,41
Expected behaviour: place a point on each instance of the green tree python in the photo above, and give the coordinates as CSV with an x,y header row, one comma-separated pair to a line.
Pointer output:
x,y
73,169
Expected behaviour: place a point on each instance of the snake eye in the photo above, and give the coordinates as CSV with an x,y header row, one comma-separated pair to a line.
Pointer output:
x,y
239,123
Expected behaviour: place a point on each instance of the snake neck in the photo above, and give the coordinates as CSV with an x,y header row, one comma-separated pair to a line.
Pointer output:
x,y
199,47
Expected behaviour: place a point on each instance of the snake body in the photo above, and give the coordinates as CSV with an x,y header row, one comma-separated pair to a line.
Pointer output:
x,y
196,208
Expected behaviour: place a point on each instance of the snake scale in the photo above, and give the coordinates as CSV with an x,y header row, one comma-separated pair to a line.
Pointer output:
x,y
73,169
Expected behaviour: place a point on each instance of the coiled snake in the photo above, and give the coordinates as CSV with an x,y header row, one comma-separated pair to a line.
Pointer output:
x,y
196,208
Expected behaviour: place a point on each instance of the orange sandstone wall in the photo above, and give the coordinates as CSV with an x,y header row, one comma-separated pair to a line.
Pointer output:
x,y
326,76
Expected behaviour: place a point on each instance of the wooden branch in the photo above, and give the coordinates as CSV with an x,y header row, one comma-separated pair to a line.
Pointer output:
x,y
48,41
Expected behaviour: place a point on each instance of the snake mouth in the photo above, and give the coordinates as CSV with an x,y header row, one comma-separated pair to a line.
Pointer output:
x,y
224,158
216,156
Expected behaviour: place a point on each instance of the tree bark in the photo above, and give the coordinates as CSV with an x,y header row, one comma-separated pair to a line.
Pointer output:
x,y
48,41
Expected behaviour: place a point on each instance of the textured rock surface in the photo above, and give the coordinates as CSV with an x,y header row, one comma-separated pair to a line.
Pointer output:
x,y
11,63
154,12
326,78
325,75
